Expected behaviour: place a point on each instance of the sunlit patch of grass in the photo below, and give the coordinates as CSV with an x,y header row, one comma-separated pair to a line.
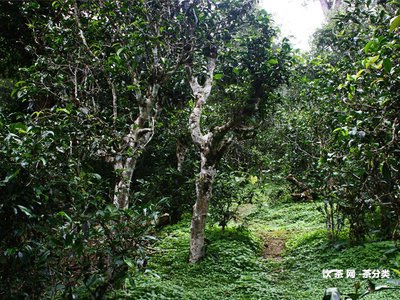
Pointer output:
x,y
287,216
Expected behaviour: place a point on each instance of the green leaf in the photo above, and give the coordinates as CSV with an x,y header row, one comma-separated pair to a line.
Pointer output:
x,y
391,251
44,162
56,4
11,176
387,65
253,179
368,46
130,263
25,210
37,114
64,110
273,61
394,23
218,76
97,176
396,271
337,130
65,215
359,73
18,127
119,51
372,60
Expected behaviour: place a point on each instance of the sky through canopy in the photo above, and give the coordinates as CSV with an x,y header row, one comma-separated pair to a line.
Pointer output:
x,y
295,19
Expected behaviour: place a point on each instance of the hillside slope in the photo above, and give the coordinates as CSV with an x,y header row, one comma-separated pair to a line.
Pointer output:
x,y
279,254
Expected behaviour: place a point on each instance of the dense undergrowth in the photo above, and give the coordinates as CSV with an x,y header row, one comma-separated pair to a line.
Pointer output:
x,y
236,267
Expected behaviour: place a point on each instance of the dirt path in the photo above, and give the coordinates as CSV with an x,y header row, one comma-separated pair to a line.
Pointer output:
x,y
273,246
273,241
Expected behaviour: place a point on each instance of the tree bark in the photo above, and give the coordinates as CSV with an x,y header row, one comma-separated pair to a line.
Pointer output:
x,y
136,140
124,167
123,182
326,6
200,209
207,165
330,5
181,150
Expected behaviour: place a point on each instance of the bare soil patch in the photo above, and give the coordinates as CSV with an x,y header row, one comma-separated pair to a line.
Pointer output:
x,y
273,247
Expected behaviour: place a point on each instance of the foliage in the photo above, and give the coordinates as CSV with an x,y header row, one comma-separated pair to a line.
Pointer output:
x,y
159,180
337,130
230,191
61,236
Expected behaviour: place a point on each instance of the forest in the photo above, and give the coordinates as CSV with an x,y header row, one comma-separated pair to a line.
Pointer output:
x,y
186,149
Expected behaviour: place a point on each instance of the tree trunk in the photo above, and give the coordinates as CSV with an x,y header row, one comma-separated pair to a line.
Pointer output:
x,y
122,185
181,150
337,4
136,141
330,5
200,209
207,165
326,6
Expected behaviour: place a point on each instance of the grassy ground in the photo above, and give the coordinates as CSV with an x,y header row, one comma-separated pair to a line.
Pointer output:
x,y
280,255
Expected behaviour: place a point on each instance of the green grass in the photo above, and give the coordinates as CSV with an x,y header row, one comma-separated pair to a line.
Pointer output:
x,y
235,268
286,216
310,253
232,269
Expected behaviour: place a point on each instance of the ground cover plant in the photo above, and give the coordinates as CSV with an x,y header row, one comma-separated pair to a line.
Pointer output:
x,y
240,265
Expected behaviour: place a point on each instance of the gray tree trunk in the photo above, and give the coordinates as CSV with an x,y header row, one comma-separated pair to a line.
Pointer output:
x,y
207,169
326,6
200,209
330,5
136,140
211,146
181,150
122,185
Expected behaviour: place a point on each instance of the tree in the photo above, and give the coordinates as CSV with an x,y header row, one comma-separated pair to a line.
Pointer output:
x,y
241,40
342,121
330,5
127,47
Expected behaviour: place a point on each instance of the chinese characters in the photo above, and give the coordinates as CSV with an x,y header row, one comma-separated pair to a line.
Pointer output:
x,y
351,273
